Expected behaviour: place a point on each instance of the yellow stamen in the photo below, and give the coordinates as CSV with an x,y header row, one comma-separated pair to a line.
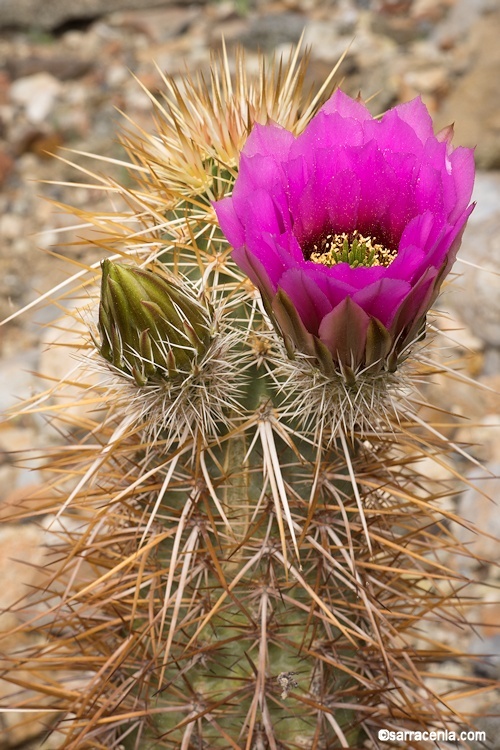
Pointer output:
x,y
353,248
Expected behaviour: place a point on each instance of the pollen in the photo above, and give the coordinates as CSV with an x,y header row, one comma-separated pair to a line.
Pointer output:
x,y
353,248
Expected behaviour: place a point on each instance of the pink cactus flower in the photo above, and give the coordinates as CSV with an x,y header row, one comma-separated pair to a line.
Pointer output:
x,y
349,229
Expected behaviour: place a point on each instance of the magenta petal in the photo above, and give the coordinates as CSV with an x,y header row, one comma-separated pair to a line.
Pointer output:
x,y
462,165
297,175
327,131
379,189
422,232
404,207
310,302
409,263
346,107
270,217
289,250
414,305
314,295
352,278
429,192
343,331
416,115
255,270
291,325
446,250
332,286
267,257
343,201
311,213
230,222
394,134
261,178
381,299
326,201
256,172
269,140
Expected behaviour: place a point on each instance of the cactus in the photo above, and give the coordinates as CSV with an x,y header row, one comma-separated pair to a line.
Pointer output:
x,y
247,557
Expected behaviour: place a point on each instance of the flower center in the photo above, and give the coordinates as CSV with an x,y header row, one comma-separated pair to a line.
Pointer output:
x,y
353,248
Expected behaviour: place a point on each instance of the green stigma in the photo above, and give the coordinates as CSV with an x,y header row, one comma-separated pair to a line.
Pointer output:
x,y
353,248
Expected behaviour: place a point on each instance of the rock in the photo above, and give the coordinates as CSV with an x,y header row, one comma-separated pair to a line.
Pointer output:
x,y
53,13
25,500
37,94
462,16
454,333
64,358
17,479
479,506
438,479
22,555
483,437
15,439
18,727
43,144
6,166
53,741
430,10
475,297
367,67
485,641
328,45
488,651
469,411
487,196
491,361
270,31
63,67
446,676
157,25
490,725
8,477
432,79
16,380
5,82
400,27
26,561
473,101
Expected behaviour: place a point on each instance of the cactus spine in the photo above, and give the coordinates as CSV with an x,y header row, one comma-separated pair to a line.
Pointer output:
x,y
252,564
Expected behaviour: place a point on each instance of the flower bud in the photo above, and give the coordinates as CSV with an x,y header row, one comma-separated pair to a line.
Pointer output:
x,y
151,328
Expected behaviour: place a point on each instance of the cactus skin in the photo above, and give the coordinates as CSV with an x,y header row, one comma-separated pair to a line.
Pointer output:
x,y
266,585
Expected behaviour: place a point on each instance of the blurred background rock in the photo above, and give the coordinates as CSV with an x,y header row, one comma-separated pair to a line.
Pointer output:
x,y
66,68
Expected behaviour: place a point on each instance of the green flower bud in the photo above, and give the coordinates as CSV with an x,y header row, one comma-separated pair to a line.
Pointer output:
x,y
150,327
